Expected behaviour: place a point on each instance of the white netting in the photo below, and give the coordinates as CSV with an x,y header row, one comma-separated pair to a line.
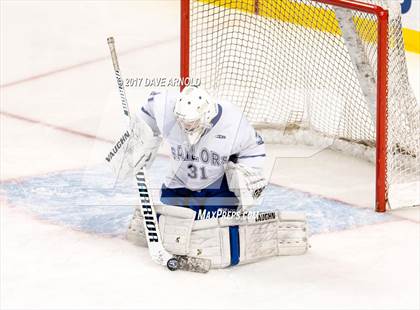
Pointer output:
x,y
286,61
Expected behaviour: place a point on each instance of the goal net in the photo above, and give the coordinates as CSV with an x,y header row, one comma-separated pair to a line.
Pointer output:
x,y
328,70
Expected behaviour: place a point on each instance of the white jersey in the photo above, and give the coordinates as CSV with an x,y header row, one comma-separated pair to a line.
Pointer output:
x,y
197,166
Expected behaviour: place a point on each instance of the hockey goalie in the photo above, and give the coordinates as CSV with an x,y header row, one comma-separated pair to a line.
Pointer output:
x,y
216,179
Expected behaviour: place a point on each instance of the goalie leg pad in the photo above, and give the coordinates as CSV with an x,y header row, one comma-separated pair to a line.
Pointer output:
x,y
292,234
226,241
175,224
211,240
272,234
182,235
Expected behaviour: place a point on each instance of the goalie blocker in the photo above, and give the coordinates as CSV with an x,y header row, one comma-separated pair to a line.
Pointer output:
x,y
226,241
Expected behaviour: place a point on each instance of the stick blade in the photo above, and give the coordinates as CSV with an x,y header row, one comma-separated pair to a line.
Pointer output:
x,y
193,264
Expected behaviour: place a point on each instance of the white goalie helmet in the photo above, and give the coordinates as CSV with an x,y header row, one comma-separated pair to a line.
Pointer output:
x,y
194,111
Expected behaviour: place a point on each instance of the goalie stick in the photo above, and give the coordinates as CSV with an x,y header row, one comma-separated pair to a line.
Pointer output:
x,y
151,227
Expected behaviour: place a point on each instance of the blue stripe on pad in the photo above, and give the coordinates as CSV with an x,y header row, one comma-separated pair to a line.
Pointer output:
x,y
234,245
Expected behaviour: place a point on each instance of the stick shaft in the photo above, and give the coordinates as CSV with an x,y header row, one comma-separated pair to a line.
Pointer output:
x,y
154,242
120,81
151,227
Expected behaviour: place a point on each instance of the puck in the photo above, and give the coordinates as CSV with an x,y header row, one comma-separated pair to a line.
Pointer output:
x,y
172,264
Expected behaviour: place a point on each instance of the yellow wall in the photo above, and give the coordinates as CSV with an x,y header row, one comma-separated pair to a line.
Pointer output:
x,y
411,40
285,10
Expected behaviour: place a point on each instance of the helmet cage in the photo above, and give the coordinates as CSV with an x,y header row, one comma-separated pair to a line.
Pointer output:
x,y
194,111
